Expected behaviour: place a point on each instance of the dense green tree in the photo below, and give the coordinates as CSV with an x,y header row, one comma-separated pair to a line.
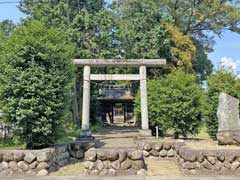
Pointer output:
x,y
222,81
88,23
144,32
174,103
35,80
7,27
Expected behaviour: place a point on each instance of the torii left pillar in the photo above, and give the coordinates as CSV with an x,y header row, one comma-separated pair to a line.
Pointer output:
x,y
86,102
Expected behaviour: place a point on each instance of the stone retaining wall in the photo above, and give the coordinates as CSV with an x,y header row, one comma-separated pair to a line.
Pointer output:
x,y
114,161
41,162
191,161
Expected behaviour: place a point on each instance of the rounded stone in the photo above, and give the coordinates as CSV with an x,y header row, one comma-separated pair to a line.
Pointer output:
x,y
30,173
99,165
127,164
235,165
103,172
135,155
23,165
158,146
137,165
146,153
116,165
122,156
33,165
43,156
101,155
163,153
167,146
29,157
91,155
18,156
89,165
43,165
112,155
4,165
13,165
42,172
142,172
211,159
8,156
154,152
171,153
112,172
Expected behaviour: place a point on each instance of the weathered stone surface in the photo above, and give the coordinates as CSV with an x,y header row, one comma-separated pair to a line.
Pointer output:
x,y
90,155
146,153
137,165
112,172
4,173
211,159
116,165
188,155
167,146
235,165
154,152
33,165
99,165
13,165
147,146
3,165
142,172
30,172
79,154
107,164
18,156
42,172
29,157
101,155
89,165
135,155
112,155
189,165
127,164
43,165
158,146
218,166
228,120
122,156
220,156
23,165
94,172
207,165
103,172
8,156
43,156
171,153
163,153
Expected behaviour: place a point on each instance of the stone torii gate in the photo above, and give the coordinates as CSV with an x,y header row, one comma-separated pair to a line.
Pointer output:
x,y
142,77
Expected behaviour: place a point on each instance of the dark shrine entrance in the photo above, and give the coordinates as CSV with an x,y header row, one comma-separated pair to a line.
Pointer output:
x,y
115,105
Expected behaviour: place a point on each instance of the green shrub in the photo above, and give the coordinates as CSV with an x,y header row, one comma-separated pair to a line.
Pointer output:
x,y
221,81
35,82
174,103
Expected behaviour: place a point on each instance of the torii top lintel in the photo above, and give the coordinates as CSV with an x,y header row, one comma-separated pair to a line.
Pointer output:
x,y
120,62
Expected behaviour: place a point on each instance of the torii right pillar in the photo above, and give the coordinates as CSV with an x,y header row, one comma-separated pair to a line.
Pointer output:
x,y
145,131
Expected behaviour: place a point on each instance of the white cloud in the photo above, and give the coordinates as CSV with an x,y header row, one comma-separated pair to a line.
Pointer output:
x,y
230,63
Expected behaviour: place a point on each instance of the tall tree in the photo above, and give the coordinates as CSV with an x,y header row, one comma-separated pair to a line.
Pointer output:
x,y
145,32
7,27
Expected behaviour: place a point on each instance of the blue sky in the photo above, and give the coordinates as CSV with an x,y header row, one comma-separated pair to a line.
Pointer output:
x,y
226,49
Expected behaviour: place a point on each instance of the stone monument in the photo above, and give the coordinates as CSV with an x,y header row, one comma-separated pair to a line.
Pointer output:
x,y
228,120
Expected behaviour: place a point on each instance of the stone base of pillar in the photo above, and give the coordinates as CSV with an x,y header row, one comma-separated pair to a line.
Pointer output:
x,y
86,134
145,132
